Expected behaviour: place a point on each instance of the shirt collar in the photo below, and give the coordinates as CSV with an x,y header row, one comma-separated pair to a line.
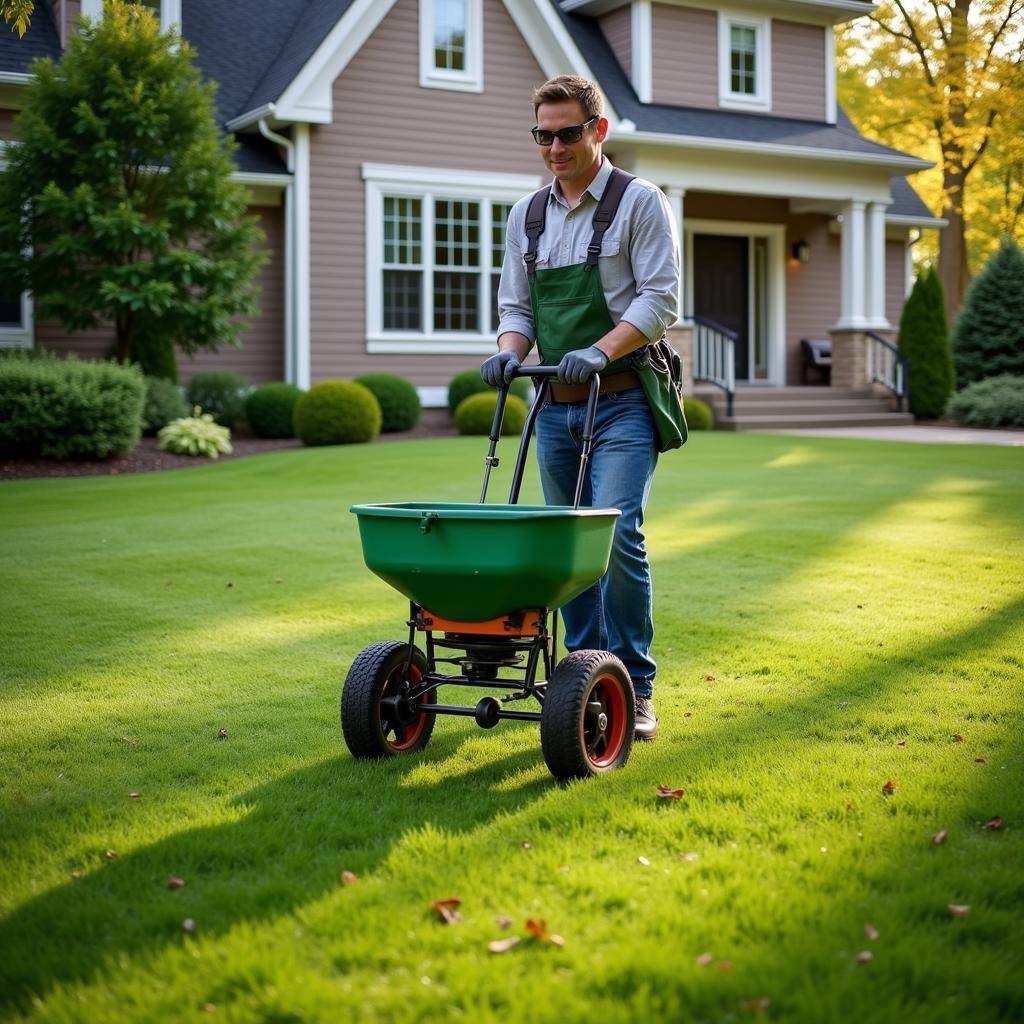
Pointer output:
x,y
595,188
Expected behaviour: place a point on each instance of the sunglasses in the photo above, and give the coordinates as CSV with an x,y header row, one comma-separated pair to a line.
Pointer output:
x,y
567,136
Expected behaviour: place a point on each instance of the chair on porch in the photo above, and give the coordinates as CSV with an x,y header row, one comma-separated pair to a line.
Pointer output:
x,y
817,356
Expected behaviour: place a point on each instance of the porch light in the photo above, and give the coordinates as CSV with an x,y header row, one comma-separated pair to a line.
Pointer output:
x,y
801,251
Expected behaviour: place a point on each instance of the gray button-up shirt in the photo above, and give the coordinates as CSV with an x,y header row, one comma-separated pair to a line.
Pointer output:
x,y
639,260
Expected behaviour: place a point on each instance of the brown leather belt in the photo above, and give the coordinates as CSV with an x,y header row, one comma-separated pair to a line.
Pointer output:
x,y
581,392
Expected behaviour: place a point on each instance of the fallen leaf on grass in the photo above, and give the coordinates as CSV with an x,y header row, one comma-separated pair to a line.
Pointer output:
x,y
724,965
871,932
133,795
889,787
704,960
643,860
957,738
756,1005
503,945
994,823
939,838
865,956
447,909
959,909
526,844
504,922
980,760
668,793
188,926
110,854
687,714
348,878
76,874
902,743
709,679
175,883
537,928
689,857
222,734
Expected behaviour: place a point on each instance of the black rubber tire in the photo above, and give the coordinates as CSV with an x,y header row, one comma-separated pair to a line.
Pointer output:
x,y
574,746
378,671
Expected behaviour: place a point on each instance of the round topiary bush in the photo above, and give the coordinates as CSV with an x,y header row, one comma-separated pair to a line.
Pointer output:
x,y
475,414
399,400
698,414
469,382
337,412
995,402
164,402
270,410
219,393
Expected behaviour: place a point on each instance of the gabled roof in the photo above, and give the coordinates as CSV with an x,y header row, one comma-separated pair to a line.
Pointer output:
x,y
41,40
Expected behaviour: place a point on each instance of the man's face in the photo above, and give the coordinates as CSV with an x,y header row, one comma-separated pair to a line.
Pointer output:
x,y
573,165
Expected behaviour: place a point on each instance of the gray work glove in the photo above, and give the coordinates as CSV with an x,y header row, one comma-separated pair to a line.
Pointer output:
x,y
499,368
579,366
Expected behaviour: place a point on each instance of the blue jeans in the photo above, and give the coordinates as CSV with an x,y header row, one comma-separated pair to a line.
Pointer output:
x,y
617,613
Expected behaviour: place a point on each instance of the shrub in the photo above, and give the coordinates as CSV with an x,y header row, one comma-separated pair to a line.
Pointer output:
x,y
698,414
220,393
469,382
475,414
270,410
164,402
989,336
924,340
996,402
155,357
399,401
197,434
69,408
337,412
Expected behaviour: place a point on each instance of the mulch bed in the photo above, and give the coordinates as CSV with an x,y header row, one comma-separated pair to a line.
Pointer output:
x,y
147,458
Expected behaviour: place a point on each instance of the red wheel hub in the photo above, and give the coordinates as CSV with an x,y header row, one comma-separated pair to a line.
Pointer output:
x,y
603,727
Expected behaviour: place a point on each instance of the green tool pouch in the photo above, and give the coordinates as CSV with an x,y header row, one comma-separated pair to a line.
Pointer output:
x,y
660,370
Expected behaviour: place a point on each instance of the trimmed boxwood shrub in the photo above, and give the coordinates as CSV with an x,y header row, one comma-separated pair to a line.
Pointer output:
x,y
69,408
469,382
698,414
475,414
220,393
399,400
996,402
270,410
337,412
164,402
924,340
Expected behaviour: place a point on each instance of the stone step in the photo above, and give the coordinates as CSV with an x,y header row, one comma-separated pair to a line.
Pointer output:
x,y
849,405
782,421
706,391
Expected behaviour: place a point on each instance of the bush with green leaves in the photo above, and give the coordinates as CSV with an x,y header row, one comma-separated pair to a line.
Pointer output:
x,y
69,408
698,413
197,434
164,402
988,340
924,340
337,412
220,393
469,382
995,402
475,414
270,409
399,400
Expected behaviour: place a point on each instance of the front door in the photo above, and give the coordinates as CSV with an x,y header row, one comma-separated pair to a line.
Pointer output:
x,y
721,289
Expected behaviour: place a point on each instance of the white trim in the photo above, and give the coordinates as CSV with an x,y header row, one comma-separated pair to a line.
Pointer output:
x,y
762,98
433,398
875,270
170,15
302,255
675,198
252,178
831,105
776,297
852,292
458,183
642,46
22,336
14,78
855,8
472,78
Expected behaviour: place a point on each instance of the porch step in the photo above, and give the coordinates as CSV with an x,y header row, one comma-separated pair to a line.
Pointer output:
x,y
784,421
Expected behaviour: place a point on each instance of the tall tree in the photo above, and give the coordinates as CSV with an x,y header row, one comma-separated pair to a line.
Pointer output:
x,y
946,79
117,203
17,13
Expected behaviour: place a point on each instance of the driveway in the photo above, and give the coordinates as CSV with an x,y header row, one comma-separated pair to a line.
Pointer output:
x,y
920,434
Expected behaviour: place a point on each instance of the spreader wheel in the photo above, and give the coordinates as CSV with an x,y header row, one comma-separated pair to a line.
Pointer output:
x,y
376,719
586,724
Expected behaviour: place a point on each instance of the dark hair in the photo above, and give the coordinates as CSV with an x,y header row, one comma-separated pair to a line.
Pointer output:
x,y
570,87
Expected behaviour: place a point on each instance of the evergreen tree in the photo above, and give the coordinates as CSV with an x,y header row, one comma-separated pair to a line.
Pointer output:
x,y
989,335
116,204
924,340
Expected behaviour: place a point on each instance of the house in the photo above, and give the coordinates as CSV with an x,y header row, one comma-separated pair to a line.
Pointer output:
x,y
384,141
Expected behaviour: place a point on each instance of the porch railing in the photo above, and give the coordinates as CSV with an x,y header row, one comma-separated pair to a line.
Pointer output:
x,y
889,367
714,357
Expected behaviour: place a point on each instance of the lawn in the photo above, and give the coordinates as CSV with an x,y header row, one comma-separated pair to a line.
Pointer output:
x,y
832,616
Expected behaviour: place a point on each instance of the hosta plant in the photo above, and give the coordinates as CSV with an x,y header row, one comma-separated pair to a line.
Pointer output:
x,y
197,434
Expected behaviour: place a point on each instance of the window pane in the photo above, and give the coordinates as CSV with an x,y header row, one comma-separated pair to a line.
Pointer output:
x,y
495,278
499,224
456,233
456,301
742,60
10,309
402,304
402,230
450,35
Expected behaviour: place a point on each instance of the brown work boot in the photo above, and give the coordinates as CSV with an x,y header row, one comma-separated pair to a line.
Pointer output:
x,y
646,723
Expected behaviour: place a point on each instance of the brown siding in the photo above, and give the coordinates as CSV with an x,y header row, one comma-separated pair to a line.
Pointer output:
x,y
618,30
895,281
798,70
685,55
7,124
382,115
812,288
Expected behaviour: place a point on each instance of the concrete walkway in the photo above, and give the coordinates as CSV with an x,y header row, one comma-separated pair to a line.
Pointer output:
x,y
920,434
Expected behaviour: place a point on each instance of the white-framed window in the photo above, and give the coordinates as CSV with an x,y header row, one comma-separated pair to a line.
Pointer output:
x,y
435,241
15,307
168,11
452,45
744,62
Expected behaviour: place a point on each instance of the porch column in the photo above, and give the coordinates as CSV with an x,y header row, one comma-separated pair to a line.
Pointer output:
x,y
876,266
852,269
675,201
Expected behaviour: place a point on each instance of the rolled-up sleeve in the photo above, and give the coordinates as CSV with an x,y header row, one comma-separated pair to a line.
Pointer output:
x,y
514,310
654,256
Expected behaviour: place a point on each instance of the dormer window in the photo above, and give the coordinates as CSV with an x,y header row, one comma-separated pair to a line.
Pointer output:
x,y
451,44
744,62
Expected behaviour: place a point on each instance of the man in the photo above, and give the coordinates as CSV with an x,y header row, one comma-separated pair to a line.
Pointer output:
x,y
588,322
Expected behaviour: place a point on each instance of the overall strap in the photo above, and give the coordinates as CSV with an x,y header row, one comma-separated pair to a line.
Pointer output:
x,y
618,181
536,213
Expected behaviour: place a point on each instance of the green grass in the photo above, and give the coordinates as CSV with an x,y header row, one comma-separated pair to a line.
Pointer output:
x,y
845,596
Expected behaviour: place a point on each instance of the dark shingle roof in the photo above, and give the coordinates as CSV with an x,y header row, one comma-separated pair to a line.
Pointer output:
x,y
40,40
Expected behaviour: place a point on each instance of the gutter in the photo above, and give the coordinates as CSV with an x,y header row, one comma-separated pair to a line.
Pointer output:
x,y
251,117
917,222
14,78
